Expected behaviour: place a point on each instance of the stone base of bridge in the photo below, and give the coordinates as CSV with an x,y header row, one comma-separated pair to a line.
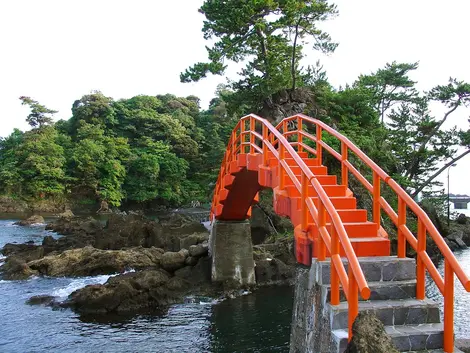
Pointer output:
x,y
318,326
231,251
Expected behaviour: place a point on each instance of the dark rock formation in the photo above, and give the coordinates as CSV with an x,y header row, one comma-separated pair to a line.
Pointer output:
x,y
66,214
273,271
27,252
462,219
198,274
143,291
130,292
288,102
35,219
46,300
172,261
89,261
275,263
369,336
172,234
15,268
199,249
455,240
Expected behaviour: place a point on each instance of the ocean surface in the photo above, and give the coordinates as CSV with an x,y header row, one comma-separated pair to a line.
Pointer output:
x,y
259,322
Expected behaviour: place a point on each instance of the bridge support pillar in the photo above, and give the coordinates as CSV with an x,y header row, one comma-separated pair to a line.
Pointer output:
x,y
310,329
232,253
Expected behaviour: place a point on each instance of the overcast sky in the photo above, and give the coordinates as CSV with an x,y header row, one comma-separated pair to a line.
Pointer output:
x,y
55,51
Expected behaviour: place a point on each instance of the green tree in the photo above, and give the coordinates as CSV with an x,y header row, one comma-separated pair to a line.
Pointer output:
x,y
41,163
267,35
390,85
98,163
40,115
11,182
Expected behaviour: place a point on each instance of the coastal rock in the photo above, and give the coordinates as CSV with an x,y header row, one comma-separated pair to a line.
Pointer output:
x,y
89,261
41,300
129,293
67,214
34,219
191,261
457,238
199,250
66,225
369,336
181,224
172,261
15,268
462,219
198,274
27,252
176,232
273,271
185,242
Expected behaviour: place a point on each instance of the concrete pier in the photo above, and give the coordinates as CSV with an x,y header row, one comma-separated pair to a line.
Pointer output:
x,y
231,251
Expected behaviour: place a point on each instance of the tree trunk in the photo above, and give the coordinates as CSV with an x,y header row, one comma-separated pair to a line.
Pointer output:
x,y
421,148
436,174
293,70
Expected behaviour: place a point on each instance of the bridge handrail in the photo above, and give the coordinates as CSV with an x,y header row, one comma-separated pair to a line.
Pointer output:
x,y
425,225
355,279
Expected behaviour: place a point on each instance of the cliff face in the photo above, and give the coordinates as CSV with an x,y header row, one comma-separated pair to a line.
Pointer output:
x,y
289,102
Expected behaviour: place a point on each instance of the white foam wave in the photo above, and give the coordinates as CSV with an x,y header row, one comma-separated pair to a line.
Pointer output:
x,y
81,282
10,224
2,258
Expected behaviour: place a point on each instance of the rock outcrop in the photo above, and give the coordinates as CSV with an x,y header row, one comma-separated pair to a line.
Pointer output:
x,y
369,336
143,291
34,219
89,261
173,233
16,268
286,103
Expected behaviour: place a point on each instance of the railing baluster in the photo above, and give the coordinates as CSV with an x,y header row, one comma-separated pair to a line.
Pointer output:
x,y
448,307
281,171
321,225
304,211
420,269
265,145
344,168
334,279
401,250
252,137
299,135
242,137
353,301
376,201
318,145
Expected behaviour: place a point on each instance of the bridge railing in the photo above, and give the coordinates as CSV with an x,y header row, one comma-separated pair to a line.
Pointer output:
x,y
405,204
256,135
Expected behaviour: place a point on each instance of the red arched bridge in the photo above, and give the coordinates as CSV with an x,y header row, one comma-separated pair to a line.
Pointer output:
x,y
332,232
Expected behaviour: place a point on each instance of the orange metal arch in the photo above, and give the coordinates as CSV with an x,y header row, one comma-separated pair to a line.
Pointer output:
x,y
324,213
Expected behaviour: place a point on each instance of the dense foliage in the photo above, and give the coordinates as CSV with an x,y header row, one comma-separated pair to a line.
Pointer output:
x,y
165,149
161,149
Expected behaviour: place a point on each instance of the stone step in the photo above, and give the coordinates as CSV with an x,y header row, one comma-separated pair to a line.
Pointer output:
x,y
376,269
380,290
408,338
390,312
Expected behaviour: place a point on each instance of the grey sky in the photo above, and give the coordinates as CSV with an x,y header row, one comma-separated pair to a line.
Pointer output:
x,y
56,51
